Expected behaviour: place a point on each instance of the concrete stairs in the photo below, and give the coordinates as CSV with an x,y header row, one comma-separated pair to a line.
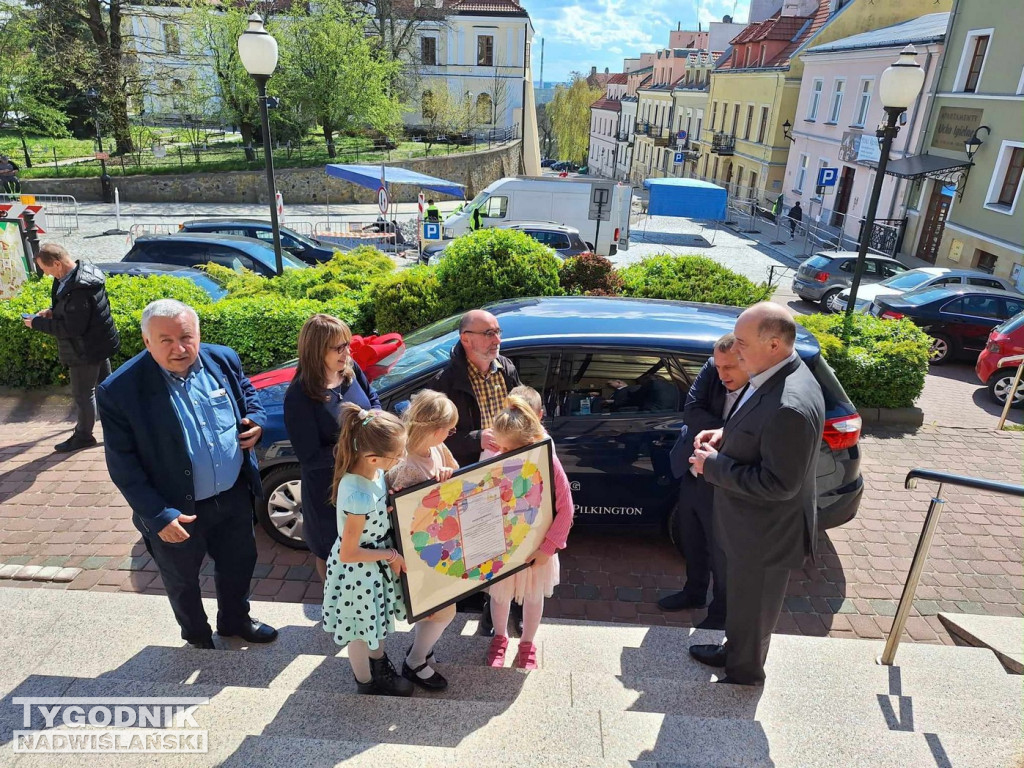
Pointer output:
x,y
606,695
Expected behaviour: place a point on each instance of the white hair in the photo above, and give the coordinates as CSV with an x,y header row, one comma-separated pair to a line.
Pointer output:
x,y
166,308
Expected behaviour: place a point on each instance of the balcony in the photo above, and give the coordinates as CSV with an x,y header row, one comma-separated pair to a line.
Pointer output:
x,y
663,137
624,136
644,129
723,143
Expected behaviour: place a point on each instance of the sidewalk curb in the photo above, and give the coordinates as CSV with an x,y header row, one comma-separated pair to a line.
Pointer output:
x,y
892,417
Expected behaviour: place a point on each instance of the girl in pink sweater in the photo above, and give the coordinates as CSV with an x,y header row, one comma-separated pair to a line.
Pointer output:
x,y
517,426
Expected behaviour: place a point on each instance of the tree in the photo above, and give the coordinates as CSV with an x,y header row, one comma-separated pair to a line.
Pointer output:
x,y
441,110
499,93
331,69
393,26
569,112
547,135
28,94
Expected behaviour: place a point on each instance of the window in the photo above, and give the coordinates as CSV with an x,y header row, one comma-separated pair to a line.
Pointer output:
x,y
172,44
863,102
812,108
977,62
1013,307
428,50
985,261
1004,189
620,382
534,371
837,101
982,306
735,119
750,121
556,240
496,207
485,51
764,51
763,129
714,114
985,282
801,173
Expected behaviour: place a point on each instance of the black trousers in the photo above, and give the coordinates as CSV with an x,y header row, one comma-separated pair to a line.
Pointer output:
x,y
704,558
84,380
222,529
755,602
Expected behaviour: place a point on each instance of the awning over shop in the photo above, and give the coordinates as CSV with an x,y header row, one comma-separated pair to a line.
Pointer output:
x,y
690,198
925,167
369,176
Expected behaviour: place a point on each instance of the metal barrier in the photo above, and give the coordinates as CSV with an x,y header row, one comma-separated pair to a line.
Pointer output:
x,y
61,211
351,234
135,231
302,227
924,543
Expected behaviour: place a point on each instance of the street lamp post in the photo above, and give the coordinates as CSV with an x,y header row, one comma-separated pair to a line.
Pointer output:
x,y
258,51
898,87
93,97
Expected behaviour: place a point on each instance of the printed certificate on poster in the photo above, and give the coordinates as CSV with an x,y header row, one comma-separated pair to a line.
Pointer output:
x,y
463,534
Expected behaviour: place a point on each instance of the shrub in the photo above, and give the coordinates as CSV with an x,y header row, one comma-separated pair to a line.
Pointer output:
x,y
884,363
589,275
29,358
406,300
264,333
492,264
691,278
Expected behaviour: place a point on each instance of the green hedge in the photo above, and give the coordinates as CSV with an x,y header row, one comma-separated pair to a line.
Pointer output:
x,y
589,275
691,278
884,364
407,300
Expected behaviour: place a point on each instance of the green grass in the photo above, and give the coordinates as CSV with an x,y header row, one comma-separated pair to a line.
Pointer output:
x,y
41,148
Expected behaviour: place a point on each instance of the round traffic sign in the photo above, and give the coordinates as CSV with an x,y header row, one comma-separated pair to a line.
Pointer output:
x,y
383,201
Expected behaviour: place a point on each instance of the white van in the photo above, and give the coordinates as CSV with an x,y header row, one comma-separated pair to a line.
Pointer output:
x,y
572,202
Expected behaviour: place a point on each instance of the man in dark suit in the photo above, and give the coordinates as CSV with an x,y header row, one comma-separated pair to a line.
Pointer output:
x,y
711,399
180,421
762,464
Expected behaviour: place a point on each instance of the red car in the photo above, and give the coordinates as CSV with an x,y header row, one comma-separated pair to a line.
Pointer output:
x,y
1005,340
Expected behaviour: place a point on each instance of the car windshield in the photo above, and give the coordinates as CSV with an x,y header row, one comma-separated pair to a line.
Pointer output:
x,y
908,281
264,253
926,296
423,350
301,238
818,262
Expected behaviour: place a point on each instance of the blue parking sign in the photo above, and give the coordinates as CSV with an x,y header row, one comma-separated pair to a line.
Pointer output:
x,y
677,158
827,177
431,230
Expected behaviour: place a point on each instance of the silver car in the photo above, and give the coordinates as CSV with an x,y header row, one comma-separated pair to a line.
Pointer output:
x,y
823,277
917,279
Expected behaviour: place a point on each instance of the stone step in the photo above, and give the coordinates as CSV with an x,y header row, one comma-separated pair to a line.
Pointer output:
x,y
1004,635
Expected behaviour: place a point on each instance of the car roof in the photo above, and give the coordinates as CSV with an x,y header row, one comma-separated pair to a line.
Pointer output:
x,y
140,267
207,237
540,225
960,290
617,321
852,255
225,220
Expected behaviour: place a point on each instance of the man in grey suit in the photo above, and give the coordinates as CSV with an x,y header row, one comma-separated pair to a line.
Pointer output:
x,y
762,464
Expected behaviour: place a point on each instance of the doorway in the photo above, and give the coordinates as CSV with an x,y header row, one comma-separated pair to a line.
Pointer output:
x,y
843,197
934,223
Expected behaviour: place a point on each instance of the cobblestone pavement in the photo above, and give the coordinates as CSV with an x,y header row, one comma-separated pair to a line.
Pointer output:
x,y
62,511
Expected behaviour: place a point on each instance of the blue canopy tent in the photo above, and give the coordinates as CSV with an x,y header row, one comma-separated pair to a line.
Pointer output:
x,y
690,198
370,175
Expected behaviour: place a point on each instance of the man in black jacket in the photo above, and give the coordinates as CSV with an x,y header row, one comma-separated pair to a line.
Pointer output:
x,y
477,379
712,398
81,321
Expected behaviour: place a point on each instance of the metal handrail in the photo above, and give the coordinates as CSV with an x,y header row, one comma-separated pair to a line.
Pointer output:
x,y
924,542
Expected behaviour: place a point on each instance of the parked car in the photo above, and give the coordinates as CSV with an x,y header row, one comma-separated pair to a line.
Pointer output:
x,y
917,279
1005,340
547,162
958,318
568,348
213,289
307,249
190,249
564,241
824,275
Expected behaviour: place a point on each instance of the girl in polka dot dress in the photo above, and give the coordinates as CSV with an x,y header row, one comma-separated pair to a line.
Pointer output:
x,y
363,592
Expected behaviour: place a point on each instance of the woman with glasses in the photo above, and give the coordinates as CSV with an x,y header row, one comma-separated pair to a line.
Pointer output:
x,y
325,378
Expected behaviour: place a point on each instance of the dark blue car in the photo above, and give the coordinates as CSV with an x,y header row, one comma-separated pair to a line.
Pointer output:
x,y
189,249
569,348
307,249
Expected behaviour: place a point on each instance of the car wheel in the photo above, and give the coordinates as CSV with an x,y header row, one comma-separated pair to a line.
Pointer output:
x,y
999,386
941,349
828,300
280,509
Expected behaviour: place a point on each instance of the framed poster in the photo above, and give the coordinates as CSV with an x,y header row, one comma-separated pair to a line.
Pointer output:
x,y
463,534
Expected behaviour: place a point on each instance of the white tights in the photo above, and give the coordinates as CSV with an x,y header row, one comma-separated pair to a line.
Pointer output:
x,y
426,633
359,655
533,610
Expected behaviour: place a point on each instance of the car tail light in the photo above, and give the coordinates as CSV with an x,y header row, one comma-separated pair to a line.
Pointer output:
x,y
994,347
616,238
821,277
890,315
842,432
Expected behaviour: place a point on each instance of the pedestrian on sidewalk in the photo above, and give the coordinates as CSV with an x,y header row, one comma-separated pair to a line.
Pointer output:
x,y
796,214
79,318
9,181
180,421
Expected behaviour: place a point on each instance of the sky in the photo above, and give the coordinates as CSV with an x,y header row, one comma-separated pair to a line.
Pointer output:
x,y
579,34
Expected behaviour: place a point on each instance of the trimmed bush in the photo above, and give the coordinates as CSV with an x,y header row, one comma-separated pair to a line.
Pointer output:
x,y
407,300
29,358
589,275
493,264
691,278
884,364
263,332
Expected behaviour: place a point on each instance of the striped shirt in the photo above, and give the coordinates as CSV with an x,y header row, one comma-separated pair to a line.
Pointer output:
x,y
489,390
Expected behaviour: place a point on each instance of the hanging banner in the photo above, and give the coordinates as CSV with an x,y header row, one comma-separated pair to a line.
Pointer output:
x,y
13,264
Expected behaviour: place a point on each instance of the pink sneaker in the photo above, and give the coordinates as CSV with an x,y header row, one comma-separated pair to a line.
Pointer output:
x,y
526,658
496,653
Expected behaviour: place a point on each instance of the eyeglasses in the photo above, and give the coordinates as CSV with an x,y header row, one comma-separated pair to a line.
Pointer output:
x,y
492,333
340,348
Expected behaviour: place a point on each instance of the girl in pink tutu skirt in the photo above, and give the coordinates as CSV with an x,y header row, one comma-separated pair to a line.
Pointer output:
x,y
517,426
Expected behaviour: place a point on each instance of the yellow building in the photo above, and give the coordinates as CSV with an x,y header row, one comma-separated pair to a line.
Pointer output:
x,y
756,84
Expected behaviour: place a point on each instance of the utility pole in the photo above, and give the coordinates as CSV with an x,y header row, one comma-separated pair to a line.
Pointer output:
x,y
542,62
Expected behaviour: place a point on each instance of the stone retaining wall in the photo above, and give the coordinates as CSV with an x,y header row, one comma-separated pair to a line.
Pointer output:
x,y
298,185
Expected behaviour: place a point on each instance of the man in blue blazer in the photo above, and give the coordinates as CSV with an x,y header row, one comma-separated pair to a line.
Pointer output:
x,y
180,421
714,394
